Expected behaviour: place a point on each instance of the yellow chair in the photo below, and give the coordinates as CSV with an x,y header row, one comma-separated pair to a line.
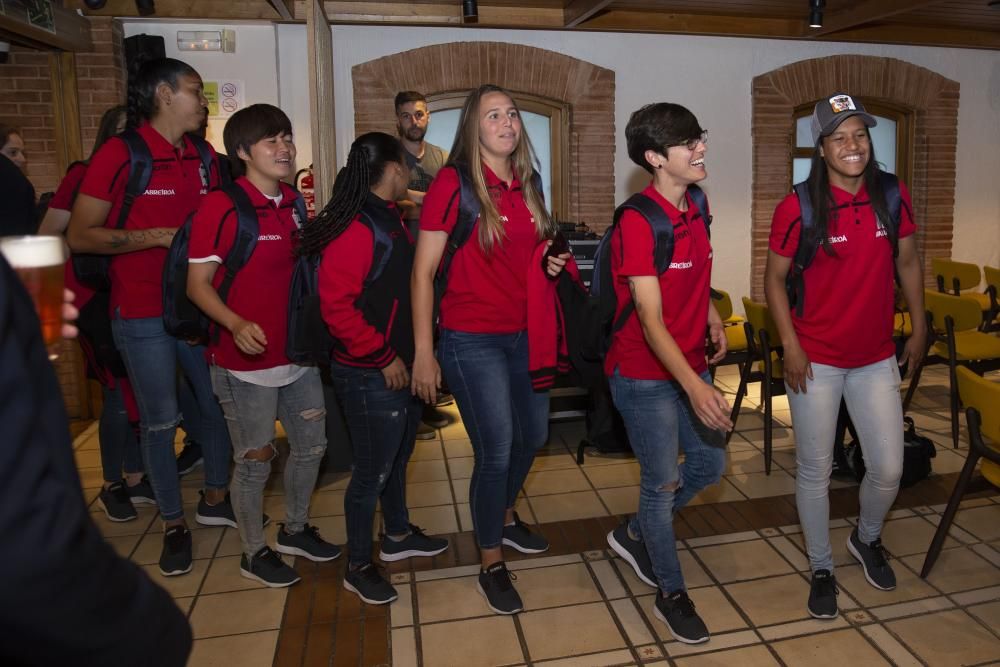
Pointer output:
x,y
957,278
954,338
992,276
764,352
983,417
736,340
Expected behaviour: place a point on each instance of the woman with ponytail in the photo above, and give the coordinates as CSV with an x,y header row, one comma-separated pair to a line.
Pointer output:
x,y
165,102
483,346
838,339
366,306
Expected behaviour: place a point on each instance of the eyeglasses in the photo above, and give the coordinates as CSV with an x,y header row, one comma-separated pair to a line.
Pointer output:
x,y
692,144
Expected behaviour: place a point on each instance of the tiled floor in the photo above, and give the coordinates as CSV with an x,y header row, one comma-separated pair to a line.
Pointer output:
x,y
741,550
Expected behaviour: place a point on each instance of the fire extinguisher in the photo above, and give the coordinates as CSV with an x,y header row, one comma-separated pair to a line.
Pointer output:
x,y
304,182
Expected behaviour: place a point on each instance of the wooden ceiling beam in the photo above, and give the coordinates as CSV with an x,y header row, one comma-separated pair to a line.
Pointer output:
x,y
921,35
69,31
284,8
616,20
222,10
442,13
865,12
577,11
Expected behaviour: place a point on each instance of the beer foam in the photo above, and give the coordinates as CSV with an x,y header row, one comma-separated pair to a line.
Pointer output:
x,y
29,252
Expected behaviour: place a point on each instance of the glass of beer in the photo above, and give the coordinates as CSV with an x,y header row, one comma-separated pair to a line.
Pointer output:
x,y
38,261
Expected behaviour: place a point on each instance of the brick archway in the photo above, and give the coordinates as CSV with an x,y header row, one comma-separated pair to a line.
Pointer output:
x,y
587,89
934,102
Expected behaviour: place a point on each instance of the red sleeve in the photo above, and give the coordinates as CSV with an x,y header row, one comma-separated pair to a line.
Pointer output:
x,y
108,171
637,245
440,208
907,226
342,272
785,227
213,229
68,187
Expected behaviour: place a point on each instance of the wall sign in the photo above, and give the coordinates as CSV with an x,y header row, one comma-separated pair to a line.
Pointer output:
x,y
225,97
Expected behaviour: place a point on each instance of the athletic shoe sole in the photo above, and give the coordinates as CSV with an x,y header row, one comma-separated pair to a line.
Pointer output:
x,y
685,640
427,436
269,584
176,573
439,423
524,550
354,590
142,500
495,610
191,467
443,402
295,551
412,553
115,519
627,557
214,521
822,617
864,568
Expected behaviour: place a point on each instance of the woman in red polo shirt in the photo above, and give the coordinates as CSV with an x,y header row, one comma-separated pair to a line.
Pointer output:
x,y
483,346
838,340
165,103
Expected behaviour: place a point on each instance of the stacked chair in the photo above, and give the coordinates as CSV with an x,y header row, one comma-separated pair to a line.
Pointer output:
x,y
992,276
982,398
961,279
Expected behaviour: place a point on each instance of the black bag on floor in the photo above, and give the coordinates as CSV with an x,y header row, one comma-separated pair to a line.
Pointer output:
x,y
605,426
918,450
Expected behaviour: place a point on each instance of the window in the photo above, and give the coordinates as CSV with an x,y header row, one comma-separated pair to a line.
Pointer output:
x,y
892,139
546,122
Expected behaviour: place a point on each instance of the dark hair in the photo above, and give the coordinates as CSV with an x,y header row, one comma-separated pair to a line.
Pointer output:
x,y
248,126
142,104
821,196
5,132
654,127
108,126
370,153
407,96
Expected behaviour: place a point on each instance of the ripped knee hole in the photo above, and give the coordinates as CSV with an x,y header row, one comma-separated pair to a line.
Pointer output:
x,y
262,454
669,486
313,414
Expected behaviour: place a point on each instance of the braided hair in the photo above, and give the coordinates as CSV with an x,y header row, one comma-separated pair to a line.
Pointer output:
x,y
366,162
142,85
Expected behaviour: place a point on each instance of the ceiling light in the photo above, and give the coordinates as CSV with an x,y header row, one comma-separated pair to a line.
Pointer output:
x,y
470,11
816,13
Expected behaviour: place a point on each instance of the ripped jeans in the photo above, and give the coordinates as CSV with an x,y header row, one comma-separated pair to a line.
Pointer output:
x,y
250,411
152,357
383,426
660,423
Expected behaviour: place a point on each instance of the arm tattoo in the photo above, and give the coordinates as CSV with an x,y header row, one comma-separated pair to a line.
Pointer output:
x,y
125,239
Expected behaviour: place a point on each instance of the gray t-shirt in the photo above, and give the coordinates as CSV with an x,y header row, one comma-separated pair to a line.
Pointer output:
x,y
424,169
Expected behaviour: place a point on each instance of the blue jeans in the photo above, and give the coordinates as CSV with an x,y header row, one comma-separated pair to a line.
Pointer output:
x,y
250,411
117,438
151,357
383,426
660,423
872,396
506,419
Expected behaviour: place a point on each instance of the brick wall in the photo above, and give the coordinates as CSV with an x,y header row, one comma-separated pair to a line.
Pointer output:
x,y
27,104
587,89
934,102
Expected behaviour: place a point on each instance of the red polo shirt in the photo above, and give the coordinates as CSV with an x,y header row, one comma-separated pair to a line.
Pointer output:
x,y
487,292
683,289
63,200
848,311
259,292
173,193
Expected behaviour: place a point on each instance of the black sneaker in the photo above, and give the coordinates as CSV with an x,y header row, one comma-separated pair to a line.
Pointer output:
x,y
189,458
369,585
267,567
518,536
306,543
115,502
495,586
414,544
425,432
874,560
434,418
684,623
176,555
823,594
141,493
634,553
220,514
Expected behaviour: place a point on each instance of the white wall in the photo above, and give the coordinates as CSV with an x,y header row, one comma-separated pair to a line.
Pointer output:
x,y
710,75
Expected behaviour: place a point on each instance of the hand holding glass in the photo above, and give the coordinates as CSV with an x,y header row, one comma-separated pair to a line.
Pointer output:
x,y
39,262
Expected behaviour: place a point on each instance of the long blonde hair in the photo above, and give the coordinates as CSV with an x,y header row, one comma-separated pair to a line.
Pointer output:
x,y
466,154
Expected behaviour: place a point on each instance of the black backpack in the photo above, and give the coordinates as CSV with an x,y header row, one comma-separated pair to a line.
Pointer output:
x,y
183,319
93,269
918,450
806,252
309,339
590,316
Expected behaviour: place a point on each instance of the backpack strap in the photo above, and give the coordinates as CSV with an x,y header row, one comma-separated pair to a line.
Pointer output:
x,y
247,230
805,251
207,159
894,203
139,174
381,249
701,203
299,208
